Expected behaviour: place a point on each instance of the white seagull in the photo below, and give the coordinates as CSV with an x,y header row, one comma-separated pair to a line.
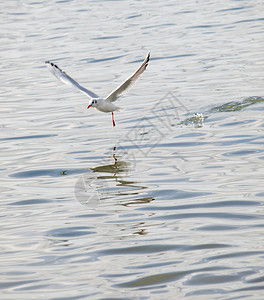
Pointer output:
x,y
102,104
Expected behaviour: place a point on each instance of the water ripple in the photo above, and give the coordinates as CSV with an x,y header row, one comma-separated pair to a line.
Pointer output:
x,y
169,203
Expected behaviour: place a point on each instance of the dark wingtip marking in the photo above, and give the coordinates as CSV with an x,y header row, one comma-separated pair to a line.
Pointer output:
x,y
147,60
148,57
51,63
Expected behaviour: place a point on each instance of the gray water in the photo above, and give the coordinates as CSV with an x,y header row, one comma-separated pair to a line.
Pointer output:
x,y
167,204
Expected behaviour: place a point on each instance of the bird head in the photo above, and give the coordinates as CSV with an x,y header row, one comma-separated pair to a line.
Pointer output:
x,y
93,103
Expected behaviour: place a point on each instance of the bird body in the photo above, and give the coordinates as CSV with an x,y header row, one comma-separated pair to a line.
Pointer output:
x,y
102,104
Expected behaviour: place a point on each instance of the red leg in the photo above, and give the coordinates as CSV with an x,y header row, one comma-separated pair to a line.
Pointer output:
x,y
113,119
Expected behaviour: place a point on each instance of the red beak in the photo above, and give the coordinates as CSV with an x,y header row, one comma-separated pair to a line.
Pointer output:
x,y
89,106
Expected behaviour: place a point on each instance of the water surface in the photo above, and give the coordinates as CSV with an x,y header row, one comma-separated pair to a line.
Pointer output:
x,y
167,203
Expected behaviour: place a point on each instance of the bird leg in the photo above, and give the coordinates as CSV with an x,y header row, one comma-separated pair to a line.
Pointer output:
x,y
113,119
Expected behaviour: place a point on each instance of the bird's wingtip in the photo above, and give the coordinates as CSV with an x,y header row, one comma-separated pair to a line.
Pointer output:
x,y
51,63
147,57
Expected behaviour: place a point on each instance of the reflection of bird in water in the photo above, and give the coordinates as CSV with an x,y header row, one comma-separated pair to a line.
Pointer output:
x,y
112,174
102,104
118,166
114,157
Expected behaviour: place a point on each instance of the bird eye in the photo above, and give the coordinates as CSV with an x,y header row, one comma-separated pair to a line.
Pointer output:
x,y
95,101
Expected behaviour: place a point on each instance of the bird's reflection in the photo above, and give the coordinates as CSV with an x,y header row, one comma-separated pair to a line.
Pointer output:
x,y
115,176
119,165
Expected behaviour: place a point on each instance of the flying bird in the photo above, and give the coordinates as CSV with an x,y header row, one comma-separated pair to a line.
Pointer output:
x,y
103,104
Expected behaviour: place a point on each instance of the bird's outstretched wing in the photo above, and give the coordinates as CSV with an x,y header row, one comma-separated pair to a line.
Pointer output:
x,y
55,70
125,85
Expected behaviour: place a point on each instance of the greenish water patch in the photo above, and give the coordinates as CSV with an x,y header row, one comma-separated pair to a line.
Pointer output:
x,y
236,106
198,118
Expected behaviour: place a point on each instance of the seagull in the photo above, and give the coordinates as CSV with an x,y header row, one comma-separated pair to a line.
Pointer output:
x,y
103,104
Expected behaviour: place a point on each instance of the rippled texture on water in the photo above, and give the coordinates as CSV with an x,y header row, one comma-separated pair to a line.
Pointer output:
x,y
169,203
